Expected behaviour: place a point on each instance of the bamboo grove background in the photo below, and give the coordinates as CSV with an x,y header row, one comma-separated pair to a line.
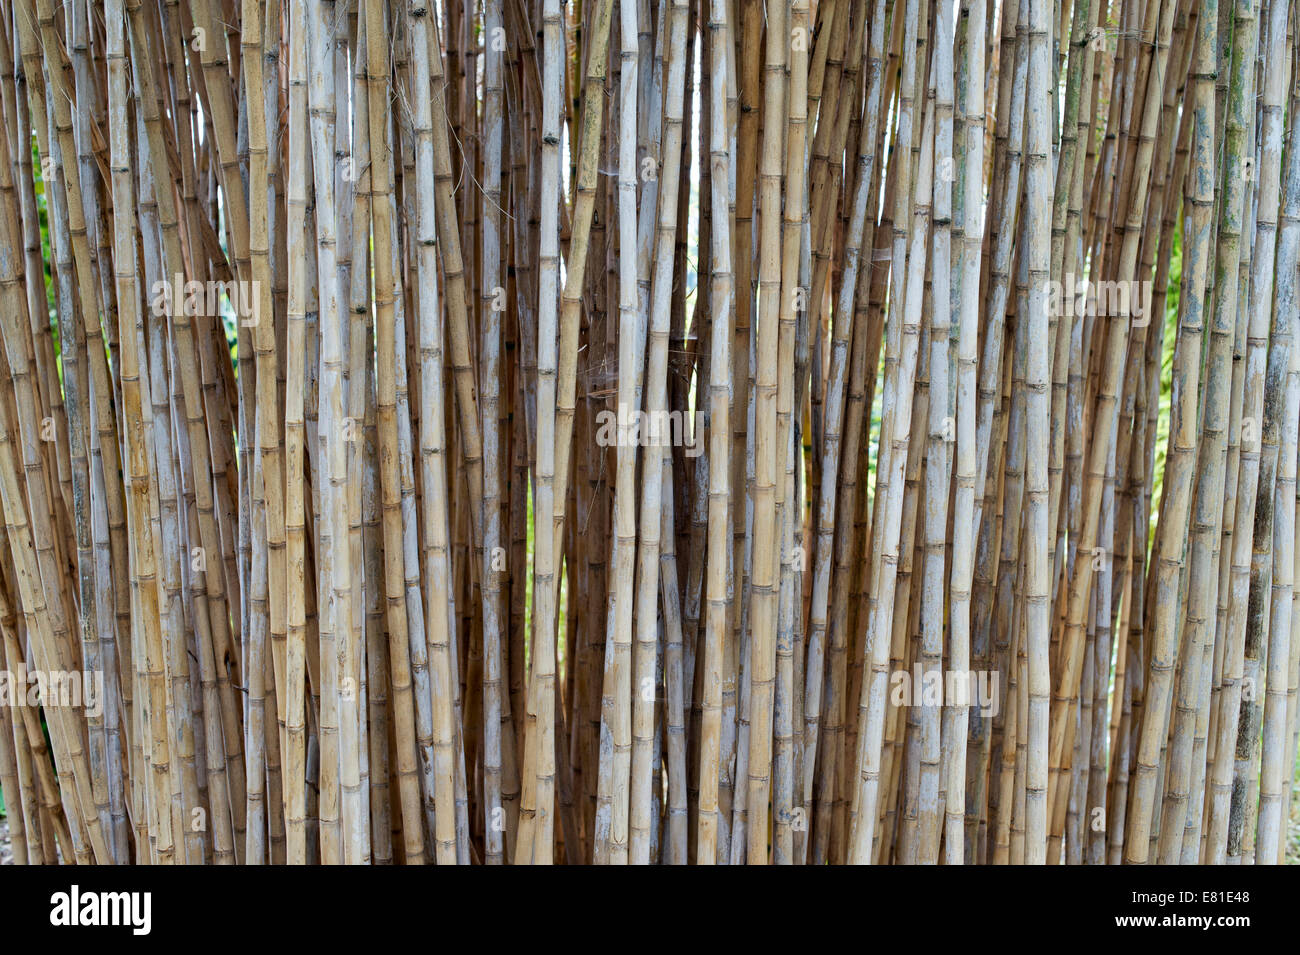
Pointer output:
x,y
315,315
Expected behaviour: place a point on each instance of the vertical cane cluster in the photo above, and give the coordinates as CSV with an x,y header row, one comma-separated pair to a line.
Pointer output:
x,y
649,431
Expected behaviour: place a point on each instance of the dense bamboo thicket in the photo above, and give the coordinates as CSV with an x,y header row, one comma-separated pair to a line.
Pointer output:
x,y
652,431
